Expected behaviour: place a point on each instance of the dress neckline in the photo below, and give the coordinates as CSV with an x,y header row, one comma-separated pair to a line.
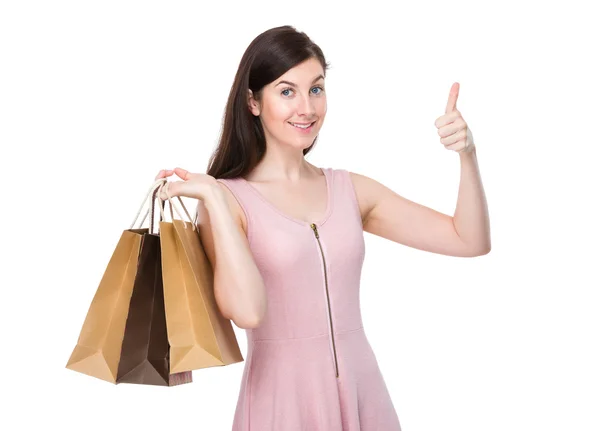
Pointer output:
x,y
328,209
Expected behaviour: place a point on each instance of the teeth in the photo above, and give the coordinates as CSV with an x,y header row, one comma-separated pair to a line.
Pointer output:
x,y
301,127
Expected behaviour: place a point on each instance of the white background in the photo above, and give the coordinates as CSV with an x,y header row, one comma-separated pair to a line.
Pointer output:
x,y
96,97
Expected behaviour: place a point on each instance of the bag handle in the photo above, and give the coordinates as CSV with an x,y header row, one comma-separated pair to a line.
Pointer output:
x,y
154,193
165,186
162,205
149,194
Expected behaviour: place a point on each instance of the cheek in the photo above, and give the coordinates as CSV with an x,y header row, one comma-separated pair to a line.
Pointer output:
x,y
279,112
320,106
284,111
323,107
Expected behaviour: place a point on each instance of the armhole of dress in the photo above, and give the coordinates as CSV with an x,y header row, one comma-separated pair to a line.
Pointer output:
x,y
353,197
241,204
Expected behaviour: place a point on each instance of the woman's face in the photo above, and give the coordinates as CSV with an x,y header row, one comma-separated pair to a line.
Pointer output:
x,y
300,100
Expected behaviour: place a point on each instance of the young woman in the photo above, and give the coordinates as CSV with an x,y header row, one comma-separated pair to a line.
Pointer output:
x,y
285,239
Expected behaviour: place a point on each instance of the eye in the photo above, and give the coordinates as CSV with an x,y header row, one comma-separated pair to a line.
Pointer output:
x,y
283,92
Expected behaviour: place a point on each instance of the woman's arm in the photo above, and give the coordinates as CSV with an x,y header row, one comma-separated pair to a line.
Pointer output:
x,y
471,217
238,284
391,216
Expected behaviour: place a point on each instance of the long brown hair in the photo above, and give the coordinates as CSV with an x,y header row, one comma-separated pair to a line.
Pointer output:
x,y
271,54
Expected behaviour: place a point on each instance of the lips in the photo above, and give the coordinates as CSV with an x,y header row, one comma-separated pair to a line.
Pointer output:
x,y
303,126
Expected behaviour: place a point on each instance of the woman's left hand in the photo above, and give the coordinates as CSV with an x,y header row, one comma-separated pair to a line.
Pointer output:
x,y
452,128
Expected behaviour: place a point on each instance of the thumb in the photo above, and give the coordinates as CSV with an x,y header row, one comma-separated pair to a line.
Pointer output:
x,y
182,173
452,97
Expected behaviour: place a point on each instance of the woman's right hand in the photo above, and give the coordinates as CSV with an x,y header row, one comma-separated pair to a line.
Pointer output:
x,y
196,186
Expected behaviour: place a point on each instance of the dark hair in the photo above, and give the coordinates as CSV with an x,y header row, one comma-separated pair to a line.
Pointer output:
x,y
271,54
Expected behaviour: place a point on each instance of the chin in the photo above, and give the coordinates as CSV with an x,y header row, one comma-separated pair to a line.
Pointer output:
x,y
300,143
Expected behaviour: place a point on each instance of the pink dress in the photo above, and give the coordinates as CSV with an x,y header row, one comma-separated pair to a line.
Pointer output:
x,y
309,366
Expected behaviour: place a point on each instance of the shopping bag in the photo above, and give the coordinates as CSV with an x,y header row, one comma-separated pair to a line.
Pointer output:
x,y
199,335
145,350
98,349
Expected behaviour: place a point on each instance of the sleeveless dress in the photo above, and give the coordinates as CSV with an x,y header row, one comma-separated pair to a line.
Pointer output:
x,y
309,365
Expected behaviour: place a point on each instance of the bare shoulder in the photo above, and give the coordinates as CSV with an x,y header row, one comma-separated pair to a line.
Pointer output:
x,y
366,190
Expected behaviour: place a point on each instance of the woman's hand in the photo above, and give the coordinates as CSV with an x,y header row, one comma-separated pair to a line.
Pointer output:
x,y
196,186
452,128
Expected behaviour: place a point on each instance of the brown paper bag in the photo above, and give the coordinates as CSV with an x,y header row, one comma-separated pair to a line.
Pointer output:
x,y
199,335
145,351
98,349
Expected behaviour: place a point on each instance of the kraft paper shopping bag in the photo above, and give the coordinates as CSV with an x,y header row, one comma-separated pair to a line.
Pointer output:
x,y
145,351
199,335
98,349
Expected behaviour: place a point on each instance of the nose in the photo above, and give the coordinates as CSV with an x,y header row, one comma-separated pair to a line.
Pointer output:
x,y
306,107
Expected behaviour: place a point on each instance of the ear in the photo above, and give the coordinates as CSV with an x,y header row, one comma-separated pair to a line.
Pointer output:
x,y
253,104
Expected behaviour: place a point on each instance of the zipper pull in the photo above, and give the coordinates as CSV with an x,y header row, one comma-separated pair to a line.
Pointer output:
x,y
314,228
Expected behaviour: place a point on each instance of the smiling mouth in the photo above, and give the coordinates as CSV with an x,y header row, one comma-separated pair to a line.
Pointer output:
x,y
302,126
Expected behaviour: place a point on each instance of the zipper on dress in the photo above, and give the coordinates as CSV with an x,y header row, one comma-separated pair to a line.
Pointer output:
x,y
316,232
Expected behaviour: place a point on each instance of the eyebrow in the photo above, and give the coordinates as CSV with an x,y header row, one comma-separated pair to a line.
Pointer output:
x,y
295,86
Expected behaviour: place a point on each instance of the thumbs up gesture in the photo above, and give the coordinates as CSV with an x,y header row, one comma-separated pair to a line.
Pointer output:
x,y
452,128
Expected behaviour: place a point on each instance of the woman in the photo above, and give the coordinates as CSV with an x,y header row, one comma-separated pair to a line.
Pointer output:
x,y
285,240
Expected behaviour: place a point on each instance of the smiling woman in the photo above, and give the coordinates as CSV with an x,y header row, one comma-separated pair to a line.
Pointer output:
x,y
285,240
309,364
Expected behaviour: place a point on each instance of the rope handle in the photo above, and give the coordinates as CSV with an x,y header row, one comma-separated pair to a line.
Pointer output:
x,y
153,194
149,194
165,186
